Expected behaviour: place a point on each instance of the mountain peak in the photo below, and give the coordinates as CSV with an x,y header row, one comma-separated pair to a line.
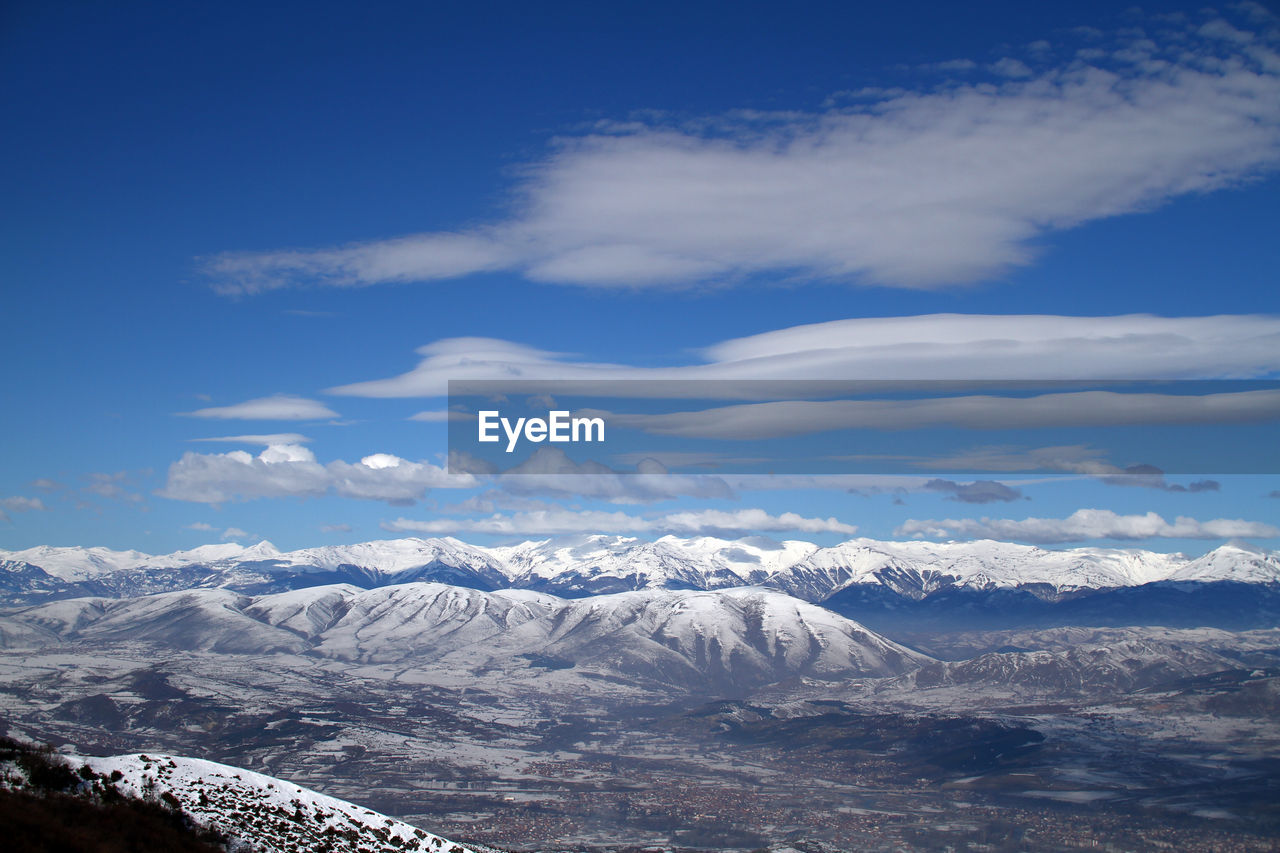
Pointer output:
x,y
262,549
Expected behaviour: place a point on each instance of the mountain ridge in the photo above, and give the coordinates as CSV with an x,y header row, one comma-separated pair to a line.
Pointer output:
x,y
688,638
582,566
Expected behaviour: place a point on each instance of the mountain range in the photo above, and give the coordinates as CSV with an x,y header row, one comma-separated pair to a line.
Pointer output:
x,y
913,585
736,637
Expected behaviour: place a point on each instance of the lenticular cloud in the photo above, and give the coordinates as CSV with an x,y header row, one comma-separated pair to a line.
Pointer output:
x,y
919,189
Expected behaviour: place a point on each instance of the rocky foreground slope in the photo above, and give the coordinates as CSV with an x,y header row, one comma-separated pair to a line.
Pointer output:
x,y
213,806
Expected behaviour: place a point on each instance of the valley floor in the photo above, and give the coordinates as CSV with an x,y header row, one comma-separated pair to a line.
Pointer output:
x,y
539,758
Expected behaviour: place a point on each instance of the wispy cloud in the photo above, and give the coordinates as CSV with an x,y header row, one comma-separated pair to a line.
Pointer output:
x,y
977,492
265,440
1010,67
1072,459
280,407
549,471
1085,524
1151,477
21,504
933,346
228,534
977,412
705,522
115,486
921,189
439,416
18,503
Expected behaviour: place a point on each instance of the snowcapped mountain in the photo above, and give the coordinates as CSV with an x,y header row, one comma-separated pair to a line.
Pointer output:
x,y
261,568
445,560
425,621
740,636
917,569
1232,562
79,564
591,565
197,619
594,565
267,814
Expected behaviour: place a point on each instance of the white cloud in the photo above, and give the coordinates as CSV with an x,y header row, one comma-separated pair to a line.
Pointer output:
x,y
114,486
381,461
21,504
1010,67
292,471
979,412
1220,29
1010,346
383,477
905,188
933,346
335,528
440,416
226,535
265,440
977,492
861,484
282,471
1070,458
18,504
951,65
563,521
280,407
493,500
1085,524
549,471
686,459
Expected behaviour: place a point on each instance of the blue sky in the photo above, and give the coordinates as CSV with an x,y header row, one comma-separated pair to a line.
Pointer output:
x,y
212,206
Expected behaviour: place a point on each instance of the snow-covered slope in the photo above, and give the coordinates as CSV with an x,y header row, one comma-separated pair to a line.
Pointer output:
x,y
198,619
425,621
1233,562
78,564
917,569
402,560
736,636
268,814
740,636
591,565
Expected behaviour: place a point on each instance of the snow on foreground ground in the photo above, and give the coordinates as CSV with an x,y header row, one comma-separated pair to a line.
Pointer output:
x,y
264,814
